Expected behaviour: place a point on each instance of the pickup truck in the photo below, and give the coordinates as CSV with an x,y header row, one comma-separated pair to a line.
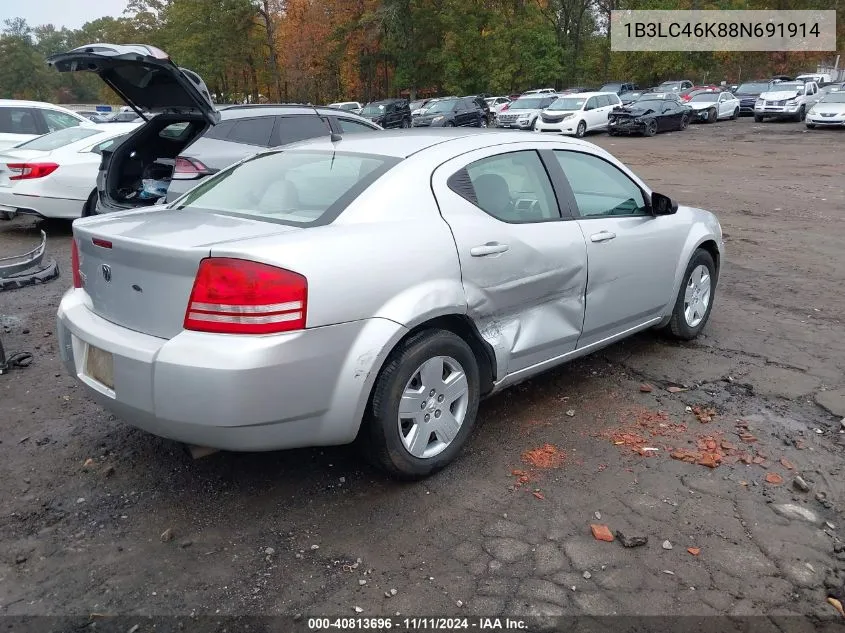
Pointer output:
x,y
786,100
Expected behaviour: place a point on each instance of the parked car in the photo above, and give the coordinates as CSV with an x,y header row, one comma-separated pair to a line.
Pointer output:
x,y
618,87
539,91
829,111
786,100
712,106
578,114
183,114
648,117
818,78
246,129
780,78
93,115
834,87
748,93
418,107
480,101
389,113
24,120
55,175
686,95
630,97
497,104
245,336
522,113
667,96
350,106
675,85
575,90
458,112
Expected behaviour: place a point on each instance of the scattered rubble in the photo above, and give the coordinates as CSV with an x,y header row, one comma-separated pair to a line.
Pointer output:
x,y
167,535
799,484
774,479
601,532
545,457
667,544
631,541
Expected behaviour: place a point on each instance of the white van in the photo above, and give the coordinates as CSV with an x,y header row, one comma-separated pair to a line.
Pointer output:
x,y
818,78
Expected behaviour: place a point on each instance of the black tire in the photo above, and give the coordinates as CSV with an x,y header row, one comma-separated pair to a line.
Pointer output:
x,y
712,115
612,133
802,113
406,123
735,115
758,118
482,122
5,215
581,130
380,435
811,126
90,206
684,123
449,124
650,128
678,326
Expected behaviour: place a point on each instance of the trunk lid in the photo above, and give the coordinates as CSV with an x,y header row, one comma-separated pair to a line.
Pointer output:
x,y
143,76
138,268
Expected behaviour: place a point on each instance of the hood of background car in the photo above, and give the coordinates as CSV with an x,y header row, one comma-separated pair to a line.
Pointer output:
x,y
632,110
779,95
143,76
834,108
702,105
512,110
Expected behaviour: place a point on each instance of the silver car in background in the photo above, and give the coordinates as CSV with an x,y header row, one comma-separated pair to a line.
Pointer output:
x,y
375,287
524,112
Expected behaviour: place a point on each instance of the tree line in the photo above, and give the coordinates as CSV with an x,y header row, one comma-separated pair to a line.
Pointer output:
x,y
320,51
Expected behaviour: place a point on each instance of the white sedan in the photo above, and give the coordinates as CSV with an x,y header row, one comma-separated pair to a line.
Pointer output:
x,y
55,175
828,112
712,106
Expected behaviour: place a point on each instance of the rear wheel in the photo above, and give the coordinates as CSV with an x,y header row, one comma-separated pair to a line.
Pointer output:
x,y
449,124
482,122
423,405
581,129
758,118
90,206
695,297
612,133
651,127
684,122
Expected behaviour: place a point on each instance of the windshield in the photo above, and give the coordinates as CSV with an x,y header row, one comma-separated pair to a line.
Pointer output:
x,y
833,97
289,187
649,104
55,140
442,106
610,88
752,88
527,103
787,86
373,109
568,103
416,105
706,96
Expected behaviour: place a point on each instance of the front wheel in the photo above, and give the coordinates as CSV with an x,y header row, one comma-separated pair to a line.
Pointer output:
x,y
684,122
811,126
651,127
758,118
482,122
449,124
406,123
695,297
735,115
801,114
581,129
423,405
712,115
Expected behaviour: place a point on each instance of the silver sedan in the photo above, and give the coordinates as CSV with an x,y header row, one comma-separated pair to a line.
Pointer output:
x,y
377,287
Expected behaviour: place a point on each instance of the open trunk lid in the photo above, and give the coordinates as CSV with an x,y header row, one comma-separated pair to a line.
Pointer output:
x,y
138,268
143,76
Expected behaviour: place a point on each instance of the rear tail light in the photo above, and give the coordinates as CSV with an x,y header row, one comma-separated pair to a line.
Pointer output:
x,y
27,171
74,264
189,169
237,296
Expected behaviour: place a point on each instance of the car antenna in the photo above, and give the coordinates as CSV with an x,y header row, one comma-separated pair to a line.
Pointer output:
x,y
334,137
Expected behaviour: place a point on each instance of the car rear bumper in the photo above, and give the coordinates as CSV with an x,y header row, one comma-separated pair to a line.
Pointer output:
x,y
241,393
45,207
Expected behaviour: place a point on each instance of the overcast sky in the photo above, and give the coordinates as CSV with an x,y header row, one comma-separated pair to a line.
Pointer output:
x,y
69,13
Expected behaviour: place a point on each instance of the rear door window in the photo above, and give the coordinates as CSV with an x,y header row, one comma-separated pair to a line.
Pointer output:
x,y
220,131
18,121
255,131
348,126
298,127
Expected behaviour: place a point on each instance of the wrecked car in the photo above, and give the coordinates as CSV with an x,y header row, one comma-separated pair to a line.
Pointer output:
x,y
375,286
648,116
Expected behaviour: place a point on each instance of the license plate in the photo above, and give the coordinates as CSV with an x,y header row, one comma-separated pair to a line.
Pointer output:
x,y
99,365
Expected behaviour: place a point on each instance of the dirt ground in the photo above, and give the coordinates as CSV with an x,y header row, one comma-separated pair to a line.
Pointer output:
x,y
85,499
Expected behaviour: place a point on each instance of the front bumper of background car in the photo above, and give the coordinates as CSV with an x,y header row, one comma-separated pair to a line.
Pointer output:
x,y
834,119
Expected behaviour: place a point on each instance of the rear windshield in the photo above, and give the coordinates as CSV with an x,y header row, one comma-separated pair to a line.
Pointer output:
x,y
705,96
290,187
55,140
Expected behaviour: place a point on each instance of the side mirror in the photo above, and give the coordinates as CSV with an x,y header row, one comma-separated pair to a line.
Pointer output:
x,y
662,205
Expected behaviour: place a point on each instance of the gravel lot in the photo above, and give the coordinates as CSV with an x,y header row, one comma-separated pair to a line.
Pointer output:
x,y
97,517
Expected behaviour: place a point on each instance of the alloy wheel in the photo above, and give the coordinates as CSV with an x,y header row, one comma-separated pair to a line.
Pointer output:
x,y
697,295
433,407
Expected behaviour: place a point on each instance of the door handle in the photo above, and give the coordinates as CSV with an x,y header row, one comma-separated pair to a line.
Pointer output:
x,y
602,236
490,248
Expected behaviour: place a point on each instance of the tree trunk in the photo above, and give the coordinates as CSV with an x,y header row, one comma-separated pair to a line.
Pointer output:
x,y
270,29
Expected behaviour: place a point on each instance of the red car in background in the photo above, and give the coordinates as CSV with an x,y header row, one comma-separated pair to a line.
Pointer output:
x,y
688,94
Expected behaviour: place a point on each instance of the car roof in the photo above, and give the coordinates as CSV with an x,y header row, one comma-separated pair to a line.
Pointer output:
x,y
405,143
587,95
259,110
32,104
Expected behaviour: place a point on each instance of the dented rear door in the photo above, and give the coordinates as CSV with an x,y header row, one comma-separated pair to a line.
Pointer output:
x,y
523,263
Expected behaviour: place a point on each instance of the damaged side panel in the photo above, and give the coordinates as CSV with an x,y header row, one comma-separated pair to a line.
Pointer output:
x,y
527,299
